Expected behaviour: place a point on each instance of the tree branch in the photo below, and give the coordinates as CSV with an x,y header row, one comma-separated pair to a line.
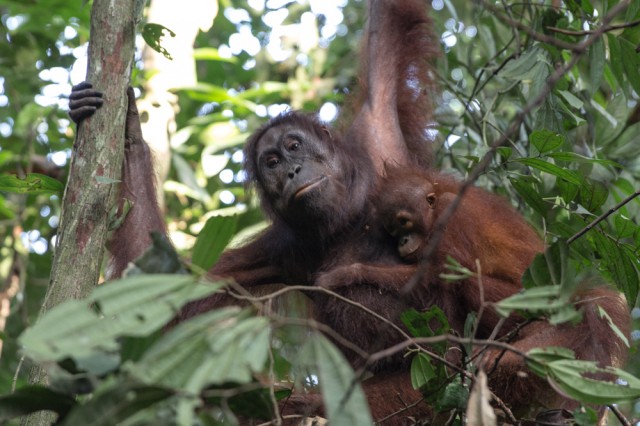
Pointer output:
x,y
96,165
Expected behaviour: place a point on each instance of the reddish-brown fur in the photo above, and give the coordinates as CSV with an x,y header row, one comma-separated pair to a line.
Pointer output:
x,y
487,230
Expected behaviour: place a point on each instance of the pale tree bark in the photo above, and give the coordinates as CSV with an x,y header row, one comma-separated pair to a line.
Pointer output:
x,y
159,103
96,164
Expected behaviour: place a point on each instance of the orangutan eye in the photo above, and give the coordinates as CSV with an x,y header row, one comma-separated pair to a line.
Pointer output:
x,y
272,162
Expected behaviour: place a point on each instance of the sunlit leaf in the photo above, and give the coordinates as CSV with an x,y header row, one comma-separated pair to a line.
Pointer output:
x,y
33,183
153,34
134,306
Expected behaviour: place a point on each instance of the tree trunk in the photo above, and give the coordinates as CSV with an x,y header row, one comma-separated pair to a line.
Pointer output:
x,y
96,164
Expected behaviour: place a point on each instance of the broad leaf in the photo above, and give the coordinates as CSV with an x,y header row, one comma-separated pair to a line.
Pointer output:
x,y
222,346
422,371
134,306
115,402
31,399
577,379
552,169
213,238
546,140
33,183
343,397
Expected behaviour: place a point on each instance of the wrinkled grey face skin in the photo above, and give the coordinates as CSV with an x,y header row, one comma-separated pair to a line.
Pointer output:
x,y
408,214
301,174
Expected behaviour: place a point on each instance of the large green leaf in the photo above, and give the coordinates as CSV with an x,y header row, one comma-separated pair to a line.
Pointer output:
x,y
536,299
114,402
597,61
619,262
546,140
526,187
33,183
630,63
31,399
584,381
578,380
222,346
343,397
134,306
552,169
213,238
422,371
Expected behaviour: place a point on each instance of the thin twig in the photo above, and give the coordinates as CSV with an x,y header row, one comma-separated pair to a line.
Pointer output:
x,y
621,418
588,32
603,216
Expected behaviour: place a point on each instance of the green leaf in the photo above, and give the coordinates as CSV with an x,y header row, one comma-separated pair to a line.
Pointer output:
x,y
134,306
454,397
573,157
550,354
212,54
571,99
115,402
213,238
567,191
578,380
525,186
31,399
153,34
603,314
188,178
5,212
160,258
524,67
552,169
33,183
619,262
616,60
432,322
343,397
221,346
630,63
254,404
504,152
536,299
546,140
593,195
422,371
597,61
632,12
